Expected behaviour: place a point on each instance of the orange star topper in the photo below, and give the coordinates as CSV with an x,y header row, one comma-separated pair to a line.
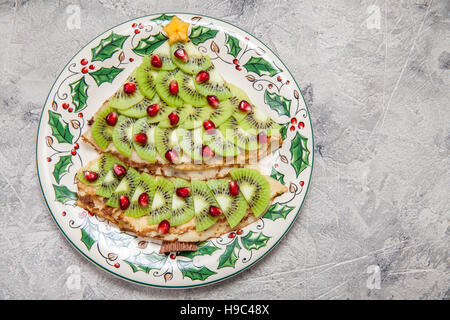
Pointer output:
x,y
177,30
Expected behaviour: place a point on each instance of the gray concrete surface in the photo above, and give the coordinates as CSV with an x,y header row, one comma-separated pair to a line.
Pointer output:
x,y
376,77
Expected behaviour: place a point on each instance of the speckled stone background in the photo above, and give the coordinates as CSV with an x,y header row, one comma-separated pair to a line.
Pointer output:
x,y
376,78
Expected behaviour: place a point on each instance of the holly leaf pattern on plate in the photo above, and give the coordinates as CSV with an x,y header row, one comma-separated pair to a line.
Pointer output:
x,y
61,167
149,44
60,128
277,175
108,46
105,75
300,153
162,18
203,248
188,269
63,194
86,239
230,256
254,240
78,91
200,34
283,131
278,103
147,261
233,45
277,211
261,66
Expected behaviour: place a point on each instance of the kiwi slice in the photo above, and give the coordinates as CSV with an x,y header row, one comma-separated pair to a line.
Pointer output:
x,y
214,86
233,207
101,130
187,90
145,185
182,208
121,100
122,136
194,117
163,52
191,142
161,208
146,78
203,200
254,187
232,131
165,140
145,151
162,88
139,110
126,187
196,61
217,142
221,113
237,95
101,167
258,121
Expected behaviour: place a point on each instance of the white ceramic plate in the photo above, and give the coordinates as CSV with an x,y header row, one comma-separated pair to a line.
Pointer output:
x,y
94,74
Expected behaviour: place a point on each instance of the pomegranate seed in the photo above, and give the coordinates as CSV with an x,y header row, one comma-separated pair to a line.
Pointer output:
x,y
163,227
90,176
292,128
236,61
131,59
173,118
76,146
124,202
156,61
181,54
213,101
173,256
302,183
173,87
64,213
231,235
73,152
119,170
262,137
207,152
65,105
92,67
141,138
209,125
171,156
234,188
244,106
294,121
301,125
152,110
84,70
111,118
84,62
129,87
202,76
143,199
214,211
239,232
90,214
137,31
183,192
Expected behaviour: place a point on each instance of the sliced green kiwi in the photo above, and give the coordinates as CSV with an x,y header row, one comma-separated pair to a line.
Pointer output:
x,y
221,113
188,91
145,185
121,100
101,130
126,187
145,151
139,110
237,95
254,187
146,78
214,86
162,88
191,142
258,121
196,61
203,200
217,142
161,208
101,167
122,136
194,117
232,131
233,207
165,140
163,52
182,208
